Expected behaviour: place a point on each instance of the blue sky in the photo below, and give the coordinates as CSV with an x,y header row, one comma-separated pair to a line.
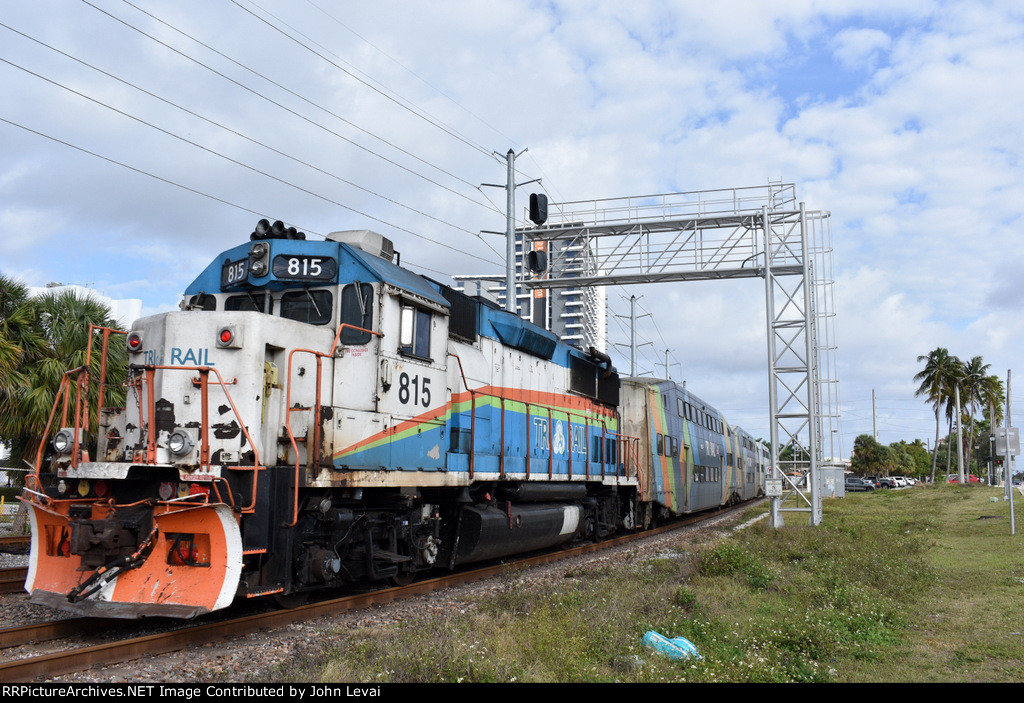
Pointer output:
x,y
899,118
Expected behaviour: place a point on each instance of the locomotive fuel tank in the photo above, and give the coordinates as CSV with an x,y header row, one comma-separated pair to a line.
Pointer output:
x,y
492,531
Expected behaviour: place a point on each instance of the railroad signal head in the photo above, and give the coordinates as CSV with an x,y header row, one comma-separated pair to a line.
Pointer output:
x,y
229,337
538,208
134,342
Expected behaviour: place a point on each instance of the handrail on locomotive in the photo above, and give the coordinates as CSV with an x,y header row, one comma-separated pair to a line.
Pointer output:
x,y
82,380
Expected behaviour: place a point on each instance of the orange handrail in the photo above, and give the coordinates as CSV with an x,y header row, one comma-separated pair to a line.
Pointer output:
x,y
316,409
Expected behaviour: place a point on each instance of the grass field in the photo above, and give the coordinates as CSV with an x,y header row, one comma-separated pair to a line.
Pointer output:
x,y
916,585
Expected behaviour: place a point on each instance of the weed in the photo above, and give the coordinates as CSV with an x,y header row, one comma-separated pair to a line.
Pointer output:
x,y
886,589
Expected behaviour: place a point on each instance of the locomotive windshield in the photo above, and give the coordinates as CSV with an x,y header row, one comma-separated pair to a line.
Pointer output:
x,y
314,307
247,302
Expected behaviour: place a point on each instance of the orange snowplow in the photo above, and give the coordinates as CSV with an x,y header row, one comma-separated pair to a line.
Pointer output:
x,y
173,559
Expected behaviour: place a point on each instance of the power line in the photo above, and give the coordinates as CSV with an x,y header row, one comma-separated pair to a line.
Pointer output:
x,y
273,102
135,169
410,71
240,134
351,71
403,102
242,164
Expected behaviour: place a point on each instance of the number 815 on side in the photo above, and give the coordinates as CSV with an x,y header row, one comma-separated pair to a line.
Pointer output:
x,y
414,389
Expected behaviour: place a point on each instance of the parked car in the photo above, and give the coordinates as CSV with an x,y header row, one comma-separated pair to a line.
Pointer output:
x,y
971,478
901,482
858,484
873,480
887,482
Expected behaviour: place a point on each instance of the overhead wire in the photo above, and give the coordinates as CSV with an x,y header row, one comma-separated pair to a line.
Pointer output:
x,y
240,163
133,168
352,71
419,112
170,182
408,70
267,99
236,132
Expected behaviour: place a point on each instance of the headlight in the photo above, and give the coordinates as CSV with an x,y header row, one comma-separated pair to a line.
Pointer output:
x,y
180,442
63,441
259,259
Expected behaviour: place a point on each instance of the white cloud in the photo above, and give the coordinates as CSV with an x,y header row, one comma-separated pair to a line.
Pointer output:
x,y
860,48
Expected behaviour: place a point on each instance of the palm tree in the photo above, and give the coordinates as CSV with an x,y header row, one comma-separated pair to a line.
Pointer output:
x,y
55,342
954,385
992,394
974,373
21,344
935,381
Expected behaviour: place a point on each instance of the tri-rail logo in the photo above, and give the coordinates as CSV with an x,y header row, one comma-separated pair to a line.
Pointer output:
x,y
558,439
199,356
191,357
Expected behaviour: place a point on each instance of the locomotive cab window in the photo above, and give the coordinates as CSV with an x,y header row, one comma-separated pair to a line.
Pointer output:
x,y
310,306
356,310
248,302
202,301
414,339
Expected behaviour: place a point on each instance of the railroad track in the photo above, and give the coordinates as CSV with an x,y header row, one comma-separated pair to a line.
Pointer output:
x,y
80,658
13,580
14,542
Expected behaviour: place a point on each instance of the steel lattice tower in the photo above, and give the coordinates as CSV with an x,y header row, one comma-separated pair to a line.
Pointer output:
x,y
760,231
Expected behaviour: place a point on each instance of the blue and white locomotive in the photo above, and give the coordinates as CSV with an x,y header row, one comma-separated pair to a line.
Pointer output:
x,y
316,415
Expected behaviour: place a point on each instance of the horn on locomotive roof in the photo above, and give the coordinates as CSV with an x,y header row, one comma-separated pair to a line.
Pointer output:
x,y
264,230
262,227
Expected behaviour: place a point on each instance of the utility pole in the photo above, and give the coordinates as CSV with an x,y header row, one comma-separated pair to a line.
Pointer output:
x,y
511,303
632,334
959,437
874,416
510,234
1008,461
